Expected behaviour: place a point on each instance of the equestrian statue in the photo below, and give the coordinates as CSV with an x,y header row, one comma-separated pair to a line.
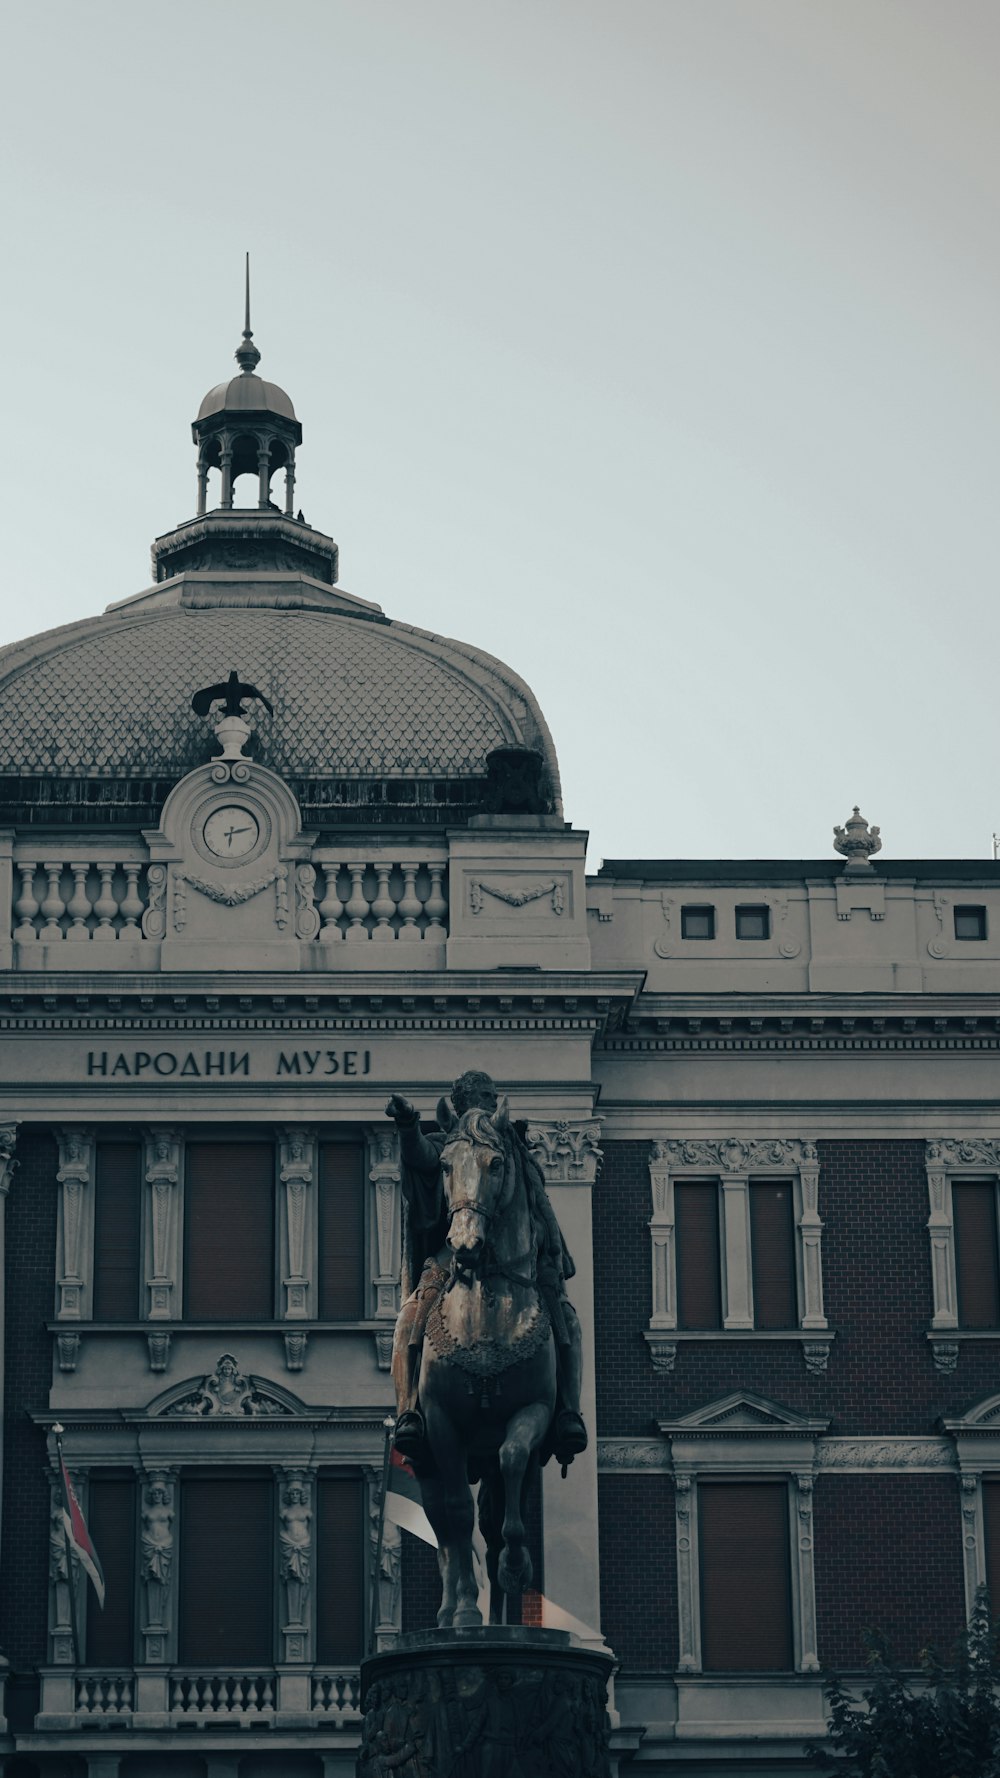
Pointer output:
x,y
487,1349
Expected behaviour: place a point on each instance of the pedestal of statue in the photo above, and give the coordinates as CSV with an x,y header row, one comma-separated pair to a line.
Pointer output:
x,y
505,1702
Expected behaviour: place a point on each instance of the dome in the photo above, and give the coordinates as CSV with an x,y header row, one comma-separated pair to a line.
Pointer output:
x,y
246,393
355,697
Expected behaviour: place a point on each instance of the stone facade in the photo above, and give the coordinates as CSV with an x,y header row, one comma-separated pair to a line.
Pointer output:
x,y
259,934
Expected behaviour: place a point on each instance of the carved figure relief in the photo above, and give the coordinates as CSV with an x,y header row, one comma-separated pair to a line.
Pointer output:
x,y
295,1540
228,1393
157,1549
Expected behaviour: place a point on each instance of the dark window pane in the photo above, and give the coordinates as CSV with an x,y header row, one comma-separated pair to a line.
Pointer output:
x,y
772,1253
753,922
974,1210
746,1610
116,1231
341,1231
699,1282
226,1534
229,1231
970,922
340,1545
698,922
111,1523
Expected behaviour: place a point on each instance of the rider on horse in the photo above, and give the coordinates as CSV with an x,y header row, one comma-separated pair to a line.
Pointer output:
x,y
428,1260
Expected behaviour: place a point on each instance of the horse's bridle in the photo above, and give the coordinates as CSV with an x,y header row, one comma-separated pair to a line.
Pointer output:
x,y
487,1216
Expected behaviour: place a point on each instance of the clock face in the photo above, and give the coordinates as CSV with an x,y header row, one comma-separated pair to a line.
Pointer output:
x,y
231,832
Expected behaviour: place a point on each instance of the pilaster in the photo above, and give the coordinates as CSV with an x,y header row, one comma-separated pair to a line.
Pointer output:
x,y
162,1158
295,1560
298,1216
76,1222
158,1595
386,1218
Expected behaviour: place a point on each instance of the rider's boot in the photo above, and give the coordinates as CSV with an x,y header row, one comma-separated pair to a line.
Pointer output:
x,y
410,1436
569,1435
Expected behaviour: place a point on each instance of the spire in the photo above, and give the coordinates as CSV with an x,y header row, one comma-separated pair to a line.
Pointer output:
x,y
247,355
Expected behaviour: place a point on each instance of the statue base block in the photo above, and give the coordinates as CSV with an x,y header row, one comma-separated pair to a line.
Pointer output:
x,y
495,1702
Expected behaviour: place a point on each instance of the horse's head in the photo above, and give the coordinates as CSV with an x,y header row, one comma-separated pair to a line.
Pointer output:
x,y
474,1170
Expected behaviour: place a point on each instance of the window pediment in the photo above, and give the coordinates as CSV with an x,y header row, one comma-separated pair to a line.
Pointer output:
x,y
742,1412
226,1394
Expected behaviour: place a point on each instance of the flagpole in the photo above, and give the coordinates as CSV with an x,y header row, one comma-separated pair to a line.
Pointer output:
x,y
390,1426
70,1581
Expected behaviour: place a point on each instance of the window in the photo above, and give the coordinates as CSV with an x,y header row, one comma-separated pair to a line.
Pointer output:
x,y
974,1214
739,1253
746,1604
772,1253
699,1276
753,922
226,1542
229,1231
111,1507
698,922
341,1231
774,1296
970,922
340,1547
117,1204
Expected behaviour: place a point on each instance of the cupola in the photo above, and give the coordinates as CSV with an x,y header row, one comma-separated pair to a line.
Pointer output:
x,y
246,427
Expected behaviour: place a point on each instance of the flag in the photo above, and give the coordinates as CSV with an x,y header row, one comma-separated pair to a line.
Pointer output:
x,y
403,1505
77,1535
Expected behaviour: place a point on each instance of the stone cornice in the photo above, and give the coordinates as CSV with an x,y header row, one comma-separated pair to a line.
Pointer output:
x,y
863,1455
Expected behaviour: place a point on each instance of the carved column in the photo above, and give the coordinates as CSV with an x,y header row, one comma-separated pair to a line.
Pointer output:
x,y
738,1310
942,1236
156,1566
569,1156
76,1222
686,1533
383,1150
63,1580
802,1497
162,1174
298,1159
295,1559
386,1590
811,1231
973,1536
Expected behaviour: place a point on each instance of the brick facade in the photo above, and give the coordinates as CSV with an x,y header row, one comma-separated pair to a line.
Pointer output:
x,y
31,1246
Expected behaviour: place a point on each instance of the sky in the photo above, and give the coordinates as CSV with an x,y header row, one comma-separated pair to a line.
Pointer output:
x,y
651,345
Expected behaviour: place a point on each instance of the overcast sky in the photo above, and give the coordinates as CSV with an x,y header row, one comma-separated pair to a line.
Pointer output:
x,y
653,345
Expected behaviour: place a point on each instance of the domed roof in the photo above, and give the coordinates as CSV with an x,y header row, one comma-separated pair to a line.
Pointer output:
x,y
246,393
352,696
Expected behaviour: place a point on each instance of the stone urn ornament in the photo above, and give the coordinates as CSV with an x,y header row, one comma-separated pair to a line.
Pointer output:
x,y
857,841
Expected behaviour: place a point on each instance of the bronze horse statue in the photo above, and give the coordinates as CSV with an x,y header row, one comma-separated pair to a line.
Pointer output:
x,y
487,1384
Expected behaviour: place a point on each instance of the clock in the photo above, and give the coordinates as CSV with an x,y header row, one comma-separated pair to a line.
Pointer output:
x,y
231,832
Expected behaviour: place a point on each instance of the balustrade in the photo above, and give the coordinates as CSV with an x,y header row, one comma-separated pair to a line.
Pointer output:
x,y
337,1696
104,1694
79,900
222,1694
381,901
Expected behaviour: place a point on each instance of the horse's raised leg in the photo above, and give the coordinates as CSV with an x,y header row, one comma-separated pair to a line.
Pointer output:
x,y
454,1515
525,1431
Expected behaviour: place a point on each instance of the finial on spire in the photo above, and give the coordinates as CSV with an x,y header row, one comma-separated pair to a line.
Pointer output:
x,y
247,355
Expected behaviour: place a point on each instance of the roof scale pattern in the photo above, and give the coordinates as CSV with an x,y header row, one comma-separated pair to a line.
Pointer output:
x,y
350,697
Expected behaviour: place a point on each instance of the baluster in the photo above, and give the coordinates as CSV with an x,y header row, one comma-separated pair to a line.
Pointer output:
x,y
78,906
383,907
435,907
331,907
357,907
409,906
105,907
53,907
132,905
26,906
267,1694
